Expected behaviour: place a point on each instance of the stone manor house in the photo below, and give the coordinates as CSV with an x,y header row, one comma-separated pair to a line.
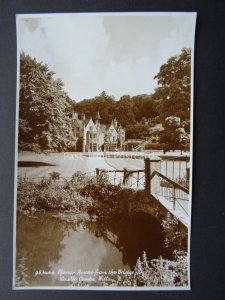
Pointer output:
x,y
95,136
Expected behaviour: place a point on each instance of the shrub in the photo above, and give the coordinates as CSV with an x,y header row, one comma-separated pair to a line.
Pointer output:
x,y
33,196
54,175
109,199
155,146
29,147
78,181
176,235
161,272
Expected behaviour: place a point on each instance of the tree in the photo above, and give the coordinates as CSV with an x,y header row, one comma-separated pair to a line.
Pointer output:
x,y
125,111
174,86
145,107
137,131
43,121
174,136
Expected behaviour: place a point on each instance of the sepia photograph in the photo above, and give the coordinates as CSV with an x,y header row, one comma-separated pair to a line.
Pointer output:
x,y
104,147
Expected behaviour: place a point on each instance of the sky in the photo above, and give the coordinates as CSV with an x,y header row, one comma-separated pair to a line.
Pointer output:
x,y
117,53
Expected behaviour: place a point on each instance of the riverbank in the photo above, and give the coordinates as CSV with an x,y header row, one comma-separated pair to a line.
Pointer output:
x,y
91,210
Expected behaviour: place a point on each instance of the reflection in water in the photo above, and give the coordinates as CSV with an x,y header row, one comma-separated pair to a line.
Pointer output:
x,y
51,245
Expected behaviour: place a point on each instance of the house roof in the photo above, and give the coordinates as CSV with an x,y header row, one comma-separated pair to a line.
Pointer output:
x,y
104,128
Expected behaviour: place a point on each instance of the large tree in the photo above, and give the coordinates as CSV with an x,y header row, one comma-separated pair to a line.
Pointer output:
x,y
174,86
43,121
174,136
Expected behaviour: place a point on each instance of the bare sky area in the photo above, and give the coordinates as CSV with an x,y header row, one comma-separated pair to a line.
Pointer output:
x,y
118,53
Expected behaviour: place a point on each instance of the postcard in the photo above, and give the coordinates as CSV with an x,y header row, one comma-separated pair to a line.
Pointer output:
x,y
103,171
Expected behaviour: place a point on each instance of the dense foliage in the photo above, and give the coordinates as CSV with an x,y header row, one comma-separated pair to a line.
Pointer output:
x,y
49,195
45,108
176,236
174,86
162,272
174,135
43,121
127,110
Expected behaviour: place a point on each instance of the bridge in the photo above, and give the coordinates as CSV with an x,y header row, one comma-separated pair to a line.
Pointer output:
x,y
164,194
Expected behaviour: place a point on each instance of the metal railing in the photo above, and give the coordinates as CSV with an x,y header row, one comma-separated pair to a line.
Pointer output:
x,y
173,192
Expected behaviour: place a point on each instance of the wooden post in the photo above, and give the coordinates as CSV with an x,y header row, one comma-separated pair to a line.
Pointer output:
x,y
187,176
125,176
115,177
173,171
97,172
138,179
147,176
174,198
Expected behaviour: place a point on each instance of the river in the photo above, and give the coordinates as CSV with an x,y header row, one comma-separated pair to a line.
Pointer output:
x,y
53,252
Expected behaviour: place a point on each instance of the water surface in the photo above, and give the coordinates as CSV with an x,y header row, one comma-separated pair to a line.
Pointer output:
x,y
59,253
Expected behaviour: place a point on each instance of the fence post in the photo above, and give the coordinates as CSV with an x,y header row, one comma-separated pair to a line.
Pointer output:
x,y
147,176
174,198
125,176
187,176
97,172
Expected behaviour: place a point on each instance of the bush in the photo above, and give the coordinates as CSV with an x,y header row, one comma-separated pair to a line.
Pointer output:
x,y
102,191
161,272
29,147
176,236
54,175
33,196
155,146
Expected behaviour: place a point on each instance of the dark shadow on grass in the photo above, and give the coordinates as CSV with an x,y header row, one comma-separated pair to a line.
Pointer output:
x,y
33,164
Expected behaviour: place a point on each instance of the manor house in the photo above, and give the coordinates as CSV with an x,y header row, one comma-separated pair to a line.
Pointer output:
x,y
95,136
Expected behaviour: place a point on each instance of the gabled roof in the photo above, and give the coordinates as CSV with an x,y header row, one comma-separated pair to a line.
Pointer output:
x,y
88,121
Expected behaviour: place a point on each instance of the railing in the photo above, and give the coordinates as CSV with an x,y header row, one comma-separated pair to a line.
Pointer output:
x,y
153,182
176,194
128,178
177,169
151,179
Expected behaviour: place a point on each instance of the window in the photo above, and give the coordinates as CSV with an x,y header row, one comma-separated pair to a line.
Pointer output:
x,y
91,128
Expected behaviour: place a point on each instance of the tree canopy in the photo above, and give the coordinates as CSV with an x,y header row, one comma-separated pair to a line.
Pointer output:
x,y
45,108
43,121
174,86
127,110
174,136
